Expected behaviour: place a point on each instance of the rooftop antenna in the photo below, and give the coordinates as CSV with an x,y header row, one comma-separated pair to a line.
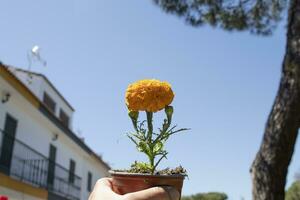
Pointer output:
x,y
34,55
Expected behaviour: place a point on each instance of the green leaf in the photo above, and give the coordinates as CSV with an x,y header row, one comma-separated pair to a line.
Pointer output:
x,y
131,138
140,167
143,147
158,147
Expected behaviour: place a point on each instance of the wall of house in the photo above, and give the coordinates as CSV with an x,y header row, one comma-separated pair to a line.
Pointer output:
x,y
60,103
98,171
38,85
35,81
37,131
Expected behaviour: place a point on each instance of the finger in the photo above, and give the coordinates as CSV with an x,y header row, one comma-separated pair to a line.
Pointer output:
x,y
103,190
155,193
104,182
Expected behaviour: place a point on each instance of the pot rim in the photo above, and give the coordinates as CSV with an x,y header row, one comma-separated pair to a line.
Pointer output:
x,y
120,173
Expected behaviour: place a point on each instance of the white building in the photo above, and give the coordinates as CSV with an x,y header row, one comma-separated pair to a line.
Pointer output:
x,y
40,156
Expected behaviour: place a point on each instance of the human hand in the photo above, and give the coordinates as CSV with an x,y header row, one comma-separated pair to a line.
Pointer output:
x,y
103,191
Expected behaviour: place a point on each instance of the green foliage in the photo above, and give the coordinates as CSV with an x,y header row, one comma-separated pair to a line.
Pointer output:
x,y
140,167
149,142
258,16
206,196
293,193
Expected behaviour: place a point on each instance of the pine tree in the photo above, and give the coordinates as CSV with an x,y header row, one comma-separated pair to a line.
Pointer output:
x,y
270,167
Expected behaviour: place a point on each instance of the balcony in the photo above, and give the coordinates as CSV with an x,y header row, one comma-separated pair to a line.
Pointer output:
x,y
23,163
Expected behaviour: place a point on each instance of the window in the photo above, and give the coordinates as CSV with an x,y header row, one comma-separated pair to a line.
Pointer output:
x,y
89,181
51,165
49,102
72,171
8,139
64,118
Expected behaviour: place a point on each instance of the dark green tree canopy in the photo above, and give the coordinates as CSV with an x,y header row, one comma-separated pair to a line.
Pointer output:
x,y
206,196
293,192
257,16
270,166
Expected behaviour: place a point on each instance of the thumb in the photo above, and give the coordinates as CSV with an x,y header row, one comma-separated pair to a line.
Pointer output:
x,y
154,193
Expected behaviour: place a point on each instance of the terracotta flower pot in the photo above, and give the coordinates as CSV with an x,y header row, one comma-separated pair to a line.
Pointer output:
x,y
124,182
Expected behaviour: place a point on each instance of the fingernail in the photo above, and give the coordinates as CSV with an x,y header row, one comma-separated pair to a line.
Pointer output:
x,y
172,192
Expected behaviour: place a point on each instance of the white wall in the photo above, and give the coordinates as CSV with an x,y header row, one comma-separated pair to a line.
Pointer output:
x,y
38,85
60,103
35,130
32,82
98,171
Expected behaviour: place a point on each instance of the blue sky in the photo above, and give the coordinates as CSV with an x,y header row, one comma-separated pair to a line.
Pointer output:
x,y
225,83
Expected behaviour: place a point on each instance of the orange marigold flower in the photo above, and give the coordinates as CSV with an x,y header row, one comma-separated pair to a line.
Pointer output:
x,y
149,95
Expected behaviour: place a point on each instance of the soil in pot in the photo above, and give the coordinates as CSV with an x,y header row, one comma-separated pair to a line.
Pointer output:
x,y
127,181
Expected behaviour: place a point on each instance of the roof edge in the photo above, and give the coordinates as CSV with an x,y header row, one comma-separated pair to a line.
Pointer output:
x,y
49,82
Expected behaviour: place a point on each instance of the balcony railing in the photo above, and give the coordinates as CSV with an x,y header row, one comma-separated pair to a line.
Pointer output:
x,y
22,162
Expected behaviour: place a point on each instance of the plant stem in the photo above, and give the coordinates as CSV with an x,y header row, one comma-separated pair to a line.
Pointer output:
x,y
151,159
150,126
164,129
149,138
